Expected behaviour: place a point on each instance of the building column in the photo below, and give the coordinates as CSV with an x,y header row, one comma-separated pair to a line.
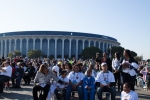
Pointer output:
x,y
94,43
5,49
55,48
70,48
62,49
48,48
99,45
21,45
103,46
106,46
15,45
83,45
77,49
33,43
41,44
89,43
1,48
9,45
27,46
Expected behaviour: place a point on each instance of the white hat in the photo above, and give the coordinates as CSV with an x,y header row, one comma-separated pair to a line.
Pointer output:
x,y
56,69
103,64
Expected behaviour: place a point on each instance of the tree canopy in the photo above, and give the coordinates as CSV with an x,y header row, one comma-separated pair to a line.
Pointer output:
x,y
35,53
90,52
14,53
120,50
115,49
134,54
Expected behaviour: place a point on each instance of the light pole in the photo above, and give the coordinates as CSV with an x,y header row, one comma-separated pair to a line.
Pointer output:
x,y
110,52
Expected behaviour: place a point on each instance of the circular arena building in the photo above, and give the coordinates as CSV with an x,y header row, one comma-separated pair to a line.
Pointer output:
x,y
56,44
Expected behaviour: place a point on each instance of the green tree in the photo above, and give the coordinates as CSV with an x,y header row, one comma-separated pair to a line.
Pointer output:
x,y
35,53
138,58
14,53
134,54
90,52
10,55
115,49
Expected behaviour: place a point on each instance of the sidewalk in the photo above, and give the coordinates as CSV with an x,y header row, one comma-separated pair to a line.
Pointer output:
x,y
25,93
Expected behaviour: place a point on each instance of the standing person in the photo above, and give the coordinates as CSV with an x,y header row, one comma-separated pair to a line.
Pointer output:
x,y
128,92
92,69
75,82
89,85
116,66
128,68
5,75
107,61
97,60
105,78
146,77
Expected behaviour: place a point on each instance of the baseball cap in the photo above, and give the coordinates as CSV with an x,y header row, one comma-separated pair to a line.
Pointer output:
x,y
103,64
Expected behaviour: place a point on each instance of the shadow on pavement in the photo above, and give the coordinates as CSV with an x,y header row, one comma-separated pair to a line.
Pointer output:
x,y
12,96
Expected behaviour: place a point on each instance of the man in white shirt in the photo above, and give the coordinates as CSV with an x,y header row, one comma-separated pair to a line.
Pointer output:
x,y
6,72
106,80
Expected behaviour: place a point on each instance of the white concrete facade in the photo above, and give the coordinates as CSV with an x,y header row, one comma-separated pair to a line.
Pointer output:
x,y
7,45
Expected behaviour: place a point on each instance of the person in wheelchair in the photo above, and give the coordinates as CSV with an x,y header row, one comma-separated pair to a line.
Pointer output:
x,y
89,86
60,91
106,80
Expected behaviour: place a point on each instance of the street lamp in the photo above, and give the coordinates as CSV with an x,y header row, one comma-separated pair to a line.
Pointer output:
x,y
110,52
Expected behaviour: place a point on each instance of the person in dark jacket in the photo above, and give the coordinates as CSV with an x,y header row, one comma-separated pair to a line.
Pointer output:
x,y
128,68
18,75
107,61
29,73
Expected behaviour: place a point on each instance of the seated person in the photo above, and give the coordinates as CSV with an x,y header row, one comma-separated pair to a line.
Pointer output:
x,y
5,75
29,73
128,92
146,76
60,91
18,75
75,82
42,81
106,81
89,85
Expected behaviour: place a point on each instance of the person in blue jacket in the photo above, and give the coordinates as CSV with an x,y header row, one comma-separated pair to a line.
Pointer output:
x,y
89,85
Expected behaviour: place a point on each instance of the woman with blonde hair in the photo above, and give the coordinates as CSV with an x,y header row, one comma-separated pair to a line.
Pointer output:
x,y
42,80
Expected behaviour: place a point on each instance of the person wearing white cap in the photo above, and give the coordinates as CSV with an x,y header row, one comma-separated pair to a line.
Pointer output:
x,y
106,79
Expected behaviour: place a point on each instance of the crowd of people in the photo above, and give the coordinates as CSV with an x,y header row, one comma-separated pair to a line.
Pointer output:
x,y
61,78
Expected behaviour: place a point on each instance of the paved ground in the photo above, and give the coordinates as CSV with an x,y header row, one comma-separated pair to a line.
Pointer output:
x,y
25,93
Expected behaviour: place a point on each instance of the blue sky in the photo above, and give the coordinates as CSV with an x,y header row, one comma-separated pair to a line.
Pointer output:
x,y
126,20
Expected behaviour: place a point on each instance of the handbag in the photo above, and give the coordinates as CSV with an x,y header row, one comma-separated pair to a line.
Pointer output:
x,y
41,95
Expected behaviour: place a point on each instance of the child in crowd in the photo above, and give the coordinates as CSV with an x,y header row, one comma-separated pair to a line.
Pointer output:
x,y
140,82
146,76
89,85
60,91
128,92
57,89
